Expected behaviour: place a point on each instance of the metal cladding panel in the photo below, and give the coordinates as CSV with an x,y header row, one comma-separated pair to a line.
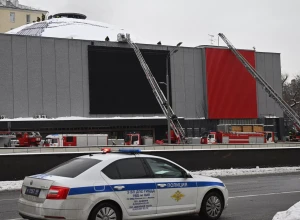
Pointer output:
x,y
277,82
62,78
189,78
261,94
198,82
76,90
231,90
85,78
49,77
35,83
268,66
20,77
179,83
6,77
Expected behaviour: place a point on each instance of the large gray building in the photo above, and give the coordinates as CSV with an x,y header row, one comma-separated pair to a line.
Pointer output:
x,y
79,78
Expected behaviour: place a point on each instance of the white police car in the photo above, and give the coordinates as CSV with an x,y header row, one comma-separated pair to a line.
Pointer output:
x,y
115,186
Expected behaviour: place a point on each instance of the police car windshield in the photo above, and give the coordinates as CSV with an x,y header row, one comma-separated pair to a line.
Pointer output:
x,y
73,168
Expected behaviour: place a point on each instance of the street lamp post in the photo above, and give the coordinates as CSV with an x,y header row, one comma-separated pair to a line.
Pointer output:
x,y
168,90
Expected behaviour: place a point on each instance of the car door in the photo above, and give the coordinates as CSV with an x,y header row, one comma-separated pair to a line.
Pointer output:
x,y
133,185
175,192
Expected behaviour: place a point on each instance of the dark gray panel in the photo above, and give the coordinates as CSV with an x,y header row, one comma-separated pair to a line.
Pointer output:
x,y
198,81
189,83
6,82
49,77
76,89
261,94
179,83
179,76
20,77
270,80
85,78
173,82
62,78
277,82
35,83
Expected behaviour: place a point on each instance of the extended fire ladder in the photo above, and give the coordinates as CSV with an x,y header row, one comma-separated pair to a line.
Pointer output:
x,y
174,122
294,117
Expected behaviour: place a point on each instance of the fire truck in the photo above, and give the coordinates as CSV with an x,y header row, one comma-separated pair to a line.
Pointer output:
x,y
137,139
76,140
23,139
239,138
295,135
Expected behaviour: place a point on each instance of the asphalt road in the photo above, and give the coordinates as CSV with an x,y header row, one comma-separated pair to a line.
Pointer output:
x,y
251,197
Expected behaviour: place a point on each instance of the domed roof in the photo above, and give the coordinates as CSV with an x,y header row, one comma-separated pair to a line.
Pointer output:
x,y
72,28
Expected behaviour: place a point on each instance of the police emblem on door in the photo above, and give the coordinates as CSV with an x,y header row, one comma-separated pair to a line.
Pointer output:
x,y
177,196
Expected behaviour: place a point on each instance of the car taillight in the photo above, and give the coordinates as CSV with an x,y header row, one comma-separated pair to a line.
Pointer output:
x,y
58,192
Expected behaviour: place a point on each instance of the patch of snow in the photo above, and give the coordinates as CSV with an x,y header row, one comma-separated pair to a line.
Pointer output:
x,y
292,213
82,118
10,185
246,172
72,29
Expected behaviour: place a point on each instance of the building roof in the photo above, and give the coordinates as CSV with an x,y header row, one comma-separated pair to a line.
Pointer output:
x,y
10,4
71,28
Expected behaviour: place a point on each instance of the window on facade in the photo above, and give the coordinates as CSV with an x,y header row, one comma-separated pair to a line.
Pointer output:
x,y
164,169
12,17
27,19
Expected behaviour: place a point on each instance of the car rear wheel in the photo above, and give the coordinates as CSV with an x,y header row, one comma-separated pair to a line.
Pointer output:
x,y
212,206
105,211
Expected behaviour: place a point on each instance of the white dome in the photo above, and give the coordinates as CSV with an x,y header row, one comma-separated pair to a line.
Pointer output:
x,y
71,28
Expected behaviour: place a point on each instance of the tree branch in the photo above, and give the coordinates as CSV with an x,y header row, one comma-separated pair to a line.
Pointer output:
x,y
284,78
295,103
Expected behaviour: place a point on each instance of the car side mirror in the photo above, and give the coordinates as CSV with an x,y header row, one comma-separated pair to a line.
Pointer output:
x,y
187,175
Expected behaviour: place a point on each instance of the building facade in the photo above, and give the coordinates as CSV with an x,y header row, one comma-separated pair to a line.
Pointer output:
x,y
13,15
56,78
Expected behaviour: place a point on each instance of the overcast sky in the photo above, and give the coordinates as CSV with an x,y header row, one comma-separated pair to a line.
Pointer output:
x,y
269,25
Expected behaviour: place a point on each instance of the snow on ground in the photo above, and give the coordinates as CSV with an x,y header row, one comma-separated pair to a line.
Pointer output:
x,y
82,118
10,185
292,213
16,185
244,172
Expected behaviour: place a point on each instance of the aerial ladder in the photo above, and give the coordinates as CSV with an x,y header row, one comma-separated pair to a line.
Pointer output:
x,y
293,116
174,122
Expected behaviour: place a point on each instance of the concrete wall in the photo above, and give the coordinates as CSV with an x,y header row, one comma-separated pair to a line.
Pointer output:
x,y
50,76
269,67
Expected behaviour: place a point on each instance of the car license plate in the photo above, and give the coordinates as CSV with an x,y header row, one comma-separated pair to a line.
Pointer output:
x,y
32,191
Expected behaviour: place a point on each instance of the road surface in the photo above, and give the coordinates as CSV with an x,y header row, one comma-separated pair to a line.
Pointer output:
x,y
251,197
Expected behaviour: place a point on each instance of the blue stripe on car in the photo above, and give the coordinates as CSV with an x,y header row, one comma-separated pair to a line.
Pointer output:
x,y
140,186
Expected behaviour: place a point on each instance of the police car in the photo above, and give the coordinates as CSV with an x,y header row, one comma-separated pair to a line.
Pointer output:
x,y
120,186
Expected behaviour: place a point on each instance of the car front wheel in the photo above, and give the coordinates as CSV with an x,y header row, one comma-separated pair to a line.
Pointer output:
x,y
105,211
212,206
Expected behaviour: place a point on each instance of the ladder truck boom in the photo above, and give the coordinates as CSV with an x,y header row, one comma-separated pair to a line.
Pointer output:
x,y
293,116
174,122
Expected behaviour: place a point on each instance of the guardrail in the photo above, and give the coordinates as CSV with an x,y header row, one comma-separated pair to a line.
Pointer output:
x,y
34,150
17,166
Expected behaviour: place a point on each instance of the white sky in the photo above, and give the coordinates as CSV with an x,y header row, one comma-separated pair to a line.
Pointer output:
x,y
269,25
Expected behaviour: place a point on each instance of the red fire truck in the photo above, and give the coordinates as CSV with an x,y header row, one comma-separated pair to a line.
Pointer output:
x,y
76,140
24,139
137,139
238,138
